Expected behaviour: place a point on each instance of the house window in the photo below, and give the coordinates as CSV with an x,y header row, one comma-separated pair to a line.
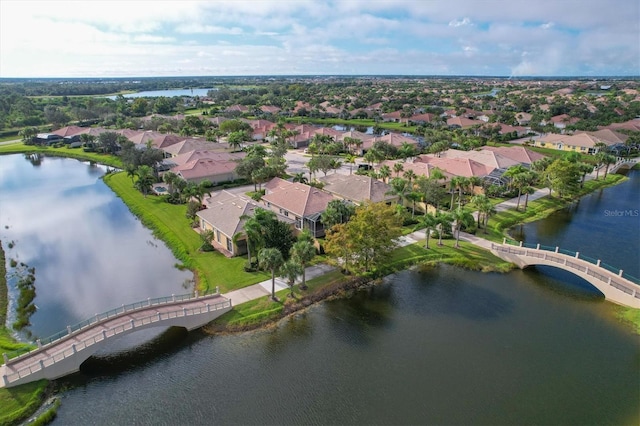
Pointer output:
x,y
268,204
281,211
229,245
217,235
286,213
298,223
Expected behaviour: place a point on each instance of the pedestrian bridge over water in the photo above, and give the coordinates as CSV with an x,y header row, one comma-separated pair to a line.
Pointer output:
x,y
64,352
616,286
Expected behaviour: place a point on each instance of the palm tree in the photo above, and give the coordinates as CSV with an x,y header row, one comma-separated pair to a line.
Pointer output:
x,y
606,159
290,271
145,179
527,190
461,217
271,259
384,173
409,175
170,179
454,184
351,159
399,189
302,252
443,221
485,209
398,168
428,221
300,177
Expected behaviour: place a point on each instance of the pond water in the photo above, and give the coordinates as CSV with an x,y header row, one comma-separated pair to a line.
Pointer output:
x,y
444,346
90,253
167,93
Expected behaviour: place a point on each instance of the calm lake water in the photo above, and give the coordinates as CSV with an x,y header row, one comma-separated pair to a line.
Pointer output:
x,y
445,346
167,93
90,253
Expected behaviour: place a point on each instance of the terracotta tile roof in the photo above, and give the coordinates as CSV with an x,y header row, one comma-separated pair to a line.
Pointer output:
x,y
628,125
297,198
189,145
517,153
224,210
68,131
357,188
205,168
457,166
209,155
462,122
486,157
419,168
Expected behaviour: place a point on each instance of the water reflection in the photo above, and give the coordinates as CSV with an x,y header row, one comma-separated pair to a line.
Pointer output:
x,y
89,252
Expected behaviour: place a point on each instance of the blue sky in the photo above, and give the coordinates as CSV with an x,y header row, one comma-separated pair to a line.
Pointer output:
x,y
283,37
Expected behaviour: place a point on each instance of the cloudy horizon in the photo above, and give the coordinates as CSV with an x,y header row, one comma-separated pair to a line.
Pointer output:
x,y
590,38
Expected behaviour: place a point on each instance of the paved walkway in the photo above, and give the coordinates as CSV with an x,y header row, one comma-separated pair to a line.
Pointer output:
x,y
264,288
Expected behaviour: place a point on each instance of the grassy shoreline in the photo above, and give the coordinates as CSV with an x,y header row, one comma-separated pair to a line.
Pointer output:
x,y
19,402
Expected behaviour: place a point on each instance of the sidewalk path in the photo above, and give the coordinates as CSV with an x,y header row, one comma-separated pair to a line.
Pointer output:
x,y
264,288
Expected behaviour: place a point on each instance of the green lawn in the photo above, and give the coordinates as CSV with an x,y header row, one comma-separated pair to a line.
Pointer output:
x,y
400,127
168,222
20,401
77,153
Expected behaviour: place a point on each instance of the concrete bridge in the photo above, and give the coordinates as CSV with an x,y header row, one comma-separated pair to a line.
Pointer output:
x,y
623,163
614,284
64,352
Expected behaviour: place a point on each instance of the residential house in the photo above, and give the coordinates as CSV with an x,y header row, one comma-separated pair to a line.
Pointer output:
x,y
519,154
394,139
302,203
523,118
562,121
224,216
457,166
357,189
585,142
462,123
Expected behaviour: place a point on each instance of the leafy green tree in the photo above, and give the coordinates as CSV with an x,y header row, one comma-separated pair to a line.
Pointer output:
x,y
271,259
337,211
400,189
278,235
206,237
367,239
563,177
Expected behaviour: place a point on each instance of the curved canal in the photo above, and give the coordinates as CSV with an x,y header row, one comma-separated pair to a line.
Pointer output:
x,y
446,346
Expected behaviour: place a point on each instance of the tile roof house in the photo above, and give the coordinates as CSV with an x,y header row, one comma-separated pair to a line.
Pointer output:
x,y
579,142
223,216
68,131
633,125
394,139
301,202
517,153
457,166
214,169
462,122
357,189
419,168
193,144
270,109
486,157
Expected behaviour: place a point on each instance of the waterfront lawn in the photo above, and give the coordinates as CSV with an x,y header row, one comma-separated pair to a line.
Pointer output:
x,y
467,256
263,310
77,153
538,209
20,401
168,223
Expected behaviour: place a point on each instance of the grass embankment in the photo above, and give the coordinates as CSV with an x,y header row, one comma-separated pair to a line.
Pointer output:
x,y
259,312
500,223
77,153
168,223
19,402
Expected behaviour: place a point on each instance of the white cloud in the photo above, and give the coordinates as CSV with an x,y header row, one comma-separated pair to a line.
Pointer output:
x,y
285,37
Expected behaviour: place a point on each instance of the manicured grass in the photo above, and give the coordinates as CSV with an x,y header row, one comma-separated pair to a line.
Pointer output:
x,y
264,310
466,256
630,316
168,223
76,153
539,209
21,401
399,127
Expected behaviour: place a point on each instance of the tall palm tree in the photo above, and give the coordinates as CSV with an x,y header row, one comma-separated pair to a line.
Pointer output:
x,y
398,168
290,271
485,209
145,179
409,175
461,217
399,189
302,252
351,160
454,184
443,221
384,173
271,259
428,221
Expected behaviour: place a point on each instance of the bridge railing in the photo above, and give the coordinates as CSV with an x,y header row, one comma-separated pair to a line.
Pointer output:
x,y
101,335
577,255
110,314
